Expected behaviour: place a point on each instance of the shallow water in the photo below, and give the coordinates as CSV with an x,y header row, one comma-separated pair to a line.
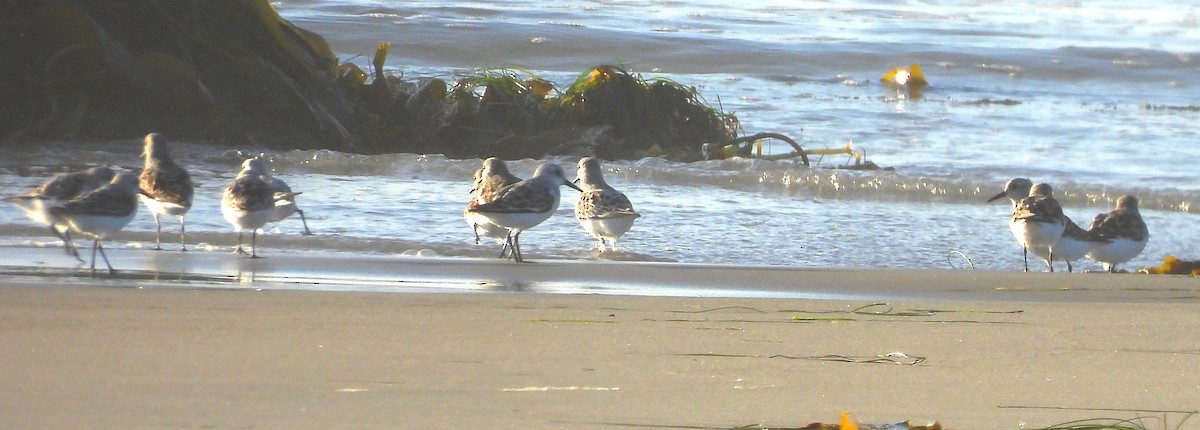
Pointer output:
x,y
1103,103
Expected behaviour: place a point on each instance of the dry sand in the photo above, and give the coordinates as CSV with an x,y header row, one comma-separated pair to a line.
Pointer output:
x,y
1001,350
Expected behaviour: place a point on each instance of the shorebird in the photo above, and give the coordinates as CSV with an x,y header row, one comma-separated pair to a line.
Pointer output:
x,y
1040,221
603,211
491,177
1074,243
248,203
1015,189
1124,229
523,205
57,191
102,212
166,187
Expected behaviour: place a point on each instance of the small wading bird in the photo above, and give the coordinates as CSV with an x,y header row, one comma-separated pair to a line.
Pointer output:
x,y
102,212
491,177
523,205
57,191
604,212
1125,231
1015,190
166,187
248,203
1040,221
1074,243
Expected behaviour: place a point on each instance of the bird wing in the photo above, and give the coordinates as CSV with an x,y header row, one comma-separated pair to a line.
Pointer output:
x,y
600,204
1038,209
167,183
530,196
105,201
249,193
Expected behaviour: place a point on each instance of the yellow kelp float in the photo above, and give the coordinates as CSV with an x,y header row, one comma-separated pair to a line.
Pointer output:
x,y
909,80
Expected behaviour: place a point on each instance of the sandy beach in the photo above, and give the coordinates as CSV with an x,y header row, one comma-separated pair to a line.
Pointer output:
x,y
525,346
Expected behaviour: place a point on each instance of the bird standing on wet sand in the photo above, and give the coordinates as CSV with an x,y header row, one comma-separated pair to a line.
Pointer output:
x,y
603,211
1039,219
1074,243
491,177
523,205
1015,189
249,203
57,191
102,212
1124,229
166,187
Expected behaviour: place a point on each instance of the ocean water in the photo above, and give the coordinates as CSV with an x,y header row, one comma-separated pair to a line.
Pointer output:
x,y
1098,99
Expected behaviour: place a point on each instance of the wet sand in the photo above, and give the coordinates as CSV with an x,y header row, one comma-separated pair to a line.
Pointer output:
x,y
521,346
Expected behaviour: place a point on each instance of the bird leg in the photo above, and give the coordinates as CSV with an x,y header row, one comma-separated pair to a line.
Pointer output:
x,y
1025,249
239,249
254,244
516,248
182,235
308,232
157,233
68,245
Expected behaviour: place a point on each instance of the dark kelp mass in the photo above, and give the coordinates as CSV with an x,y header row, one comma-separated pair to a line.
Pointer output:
x,y
234,72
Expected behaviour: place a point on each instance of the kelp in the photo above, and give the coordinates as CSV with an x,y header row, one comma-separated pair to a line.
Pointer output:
x,y
234,72
1172,265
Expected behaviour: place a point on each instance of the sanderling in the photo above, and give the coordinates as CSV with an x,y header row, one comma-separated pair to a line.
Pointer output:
x,y
57,191
1040,221
166,187
1015,189
1125,230
491,177
603,211
249,203
523,205
102,212
1074,243
285,200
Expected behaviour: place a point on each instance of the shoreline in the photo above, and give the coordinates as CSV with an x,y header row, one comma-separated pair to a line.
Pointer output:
x,y
411,274
998,350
